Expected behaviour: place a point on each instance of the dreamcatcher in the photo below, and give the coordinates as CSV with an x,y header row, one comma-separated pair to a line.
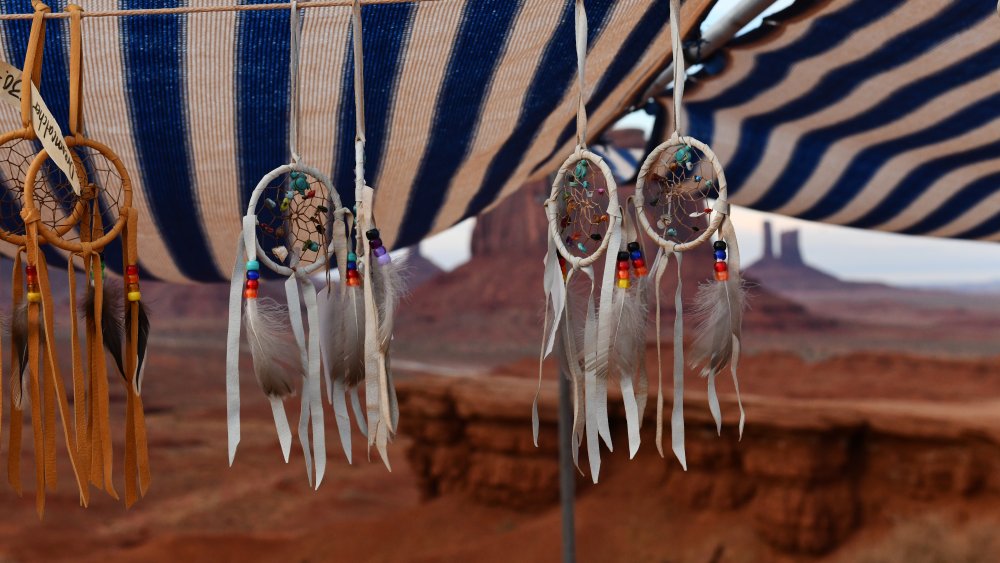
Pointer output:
x,y
292,217
672,199
83,224
585,224
359,315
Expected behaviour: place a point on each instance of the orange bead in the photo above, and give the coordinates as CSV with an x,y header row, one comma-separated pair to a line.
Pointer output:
x,y
353,282
641,271
721,267
623,274
249,293
721,276
132,278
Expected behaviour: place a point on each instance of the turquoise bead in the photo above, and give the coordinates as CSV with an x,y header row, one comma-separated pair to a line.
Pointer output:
x,y
671,232
301,184
581,247
352,257
253,265
682,154
295,175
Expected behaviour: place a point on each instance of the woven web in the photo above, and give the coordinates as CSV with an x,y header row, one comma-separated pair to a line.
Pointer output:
x,y
583,203
676,192
301,228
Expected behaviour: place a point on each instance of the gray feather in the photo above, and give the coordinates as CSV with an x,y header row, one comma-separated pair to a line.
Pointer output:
x,y
112,327
354,336
265,324
718,311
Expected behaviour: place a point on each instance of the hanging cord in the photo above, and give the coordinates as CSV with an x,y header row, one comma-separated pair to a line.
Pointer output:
x,y
581,66
678,56
293,72
359,103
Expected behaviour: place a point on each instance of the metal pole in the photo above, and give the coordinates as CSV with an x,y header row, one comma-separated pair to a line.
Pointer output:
x,y
567,475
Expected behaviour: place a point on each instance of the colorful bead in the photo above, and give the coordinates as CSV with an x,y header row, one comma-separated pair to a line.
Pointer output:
x,y
253,284
719,245
638,263
721,276
377,243
132,278
622,274
34,297
641,271
352,257
310,194
581,247
721,267
301,184
633,246
380,251
249,293
269,203
371,234
253,265
384,259
636,255
134,296
671,232
352,265
624,283
353,282
623,265
253,275
623,256
720,254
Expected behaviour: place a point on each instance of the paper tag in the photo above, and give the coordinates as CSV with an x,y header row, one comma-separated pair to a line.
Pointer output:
x,y
45,126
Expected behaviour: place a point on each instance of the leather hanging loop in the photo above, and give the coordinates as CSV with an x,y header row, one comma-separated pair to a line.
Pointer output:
x,y
33,64
75,72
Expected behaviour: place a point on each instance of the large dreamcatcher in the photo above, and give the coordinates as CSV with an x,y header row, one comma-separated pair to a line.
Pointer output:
x,y
585,225
82,223
681,203
358,321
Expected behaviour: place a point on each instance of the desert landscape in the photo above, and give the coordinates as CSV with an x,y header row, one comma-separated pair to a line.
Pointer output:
x,y
873,435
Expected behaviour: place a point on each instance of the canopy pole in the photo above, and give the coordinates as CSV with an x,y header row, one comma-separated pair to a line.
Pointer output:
x,y
712,40
209,9
567,476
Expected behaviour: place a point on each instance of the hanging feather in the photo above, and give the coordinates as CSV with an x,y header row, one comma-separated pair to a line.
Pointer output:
x,y
718,311
264,320
389,282
331,327
629,330
141,342
19,339
354,336
111,319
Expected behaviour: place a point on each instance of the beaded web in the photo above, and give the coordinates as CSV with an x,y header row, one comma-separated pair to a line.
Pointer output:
x,y
583,202
56,200
293,214
676,192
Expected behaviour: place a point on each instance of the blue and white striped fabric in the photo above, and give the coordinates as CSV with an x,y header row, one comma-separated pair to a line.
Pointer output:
x,y
881,115
465,101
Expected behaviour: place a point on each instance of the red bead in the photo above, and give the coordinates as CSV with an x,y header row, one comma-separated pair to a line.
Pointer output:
x,y
638,262
249,293
132,270
132,278
721,276
30,270
353,275
253,284
641,271
721,267
32,279
623,274
623,265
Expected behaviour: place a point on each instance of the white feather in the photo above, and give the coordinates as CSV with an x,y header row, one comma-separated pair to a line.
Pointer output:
x,y
389,285
718,310
332,333
629,330
265,324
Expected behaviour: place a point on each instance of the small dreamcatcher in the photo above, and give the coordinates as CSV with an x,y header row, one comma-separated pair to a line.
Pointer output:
x,y
83,224
293,216
672,199
585,222
359,315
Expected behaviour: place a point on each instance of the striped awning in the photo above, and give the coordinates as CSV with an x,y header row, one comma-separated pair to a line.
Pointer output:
x,y
465,101
881,115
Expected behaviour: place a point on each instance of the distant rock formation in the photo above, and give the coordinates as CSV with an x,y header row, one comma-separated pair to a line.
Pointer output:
x,y
786,270
420,270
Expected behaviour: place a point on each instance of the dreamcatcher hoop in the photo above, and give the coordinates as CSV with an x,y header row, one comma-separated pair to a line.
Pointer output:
x,y
719,212
258,192
552,207
55,235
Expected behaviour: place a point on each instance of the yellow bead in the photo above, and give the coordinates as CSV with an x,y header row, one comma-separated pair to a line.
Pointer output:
x,y
34,297
624,284
134,296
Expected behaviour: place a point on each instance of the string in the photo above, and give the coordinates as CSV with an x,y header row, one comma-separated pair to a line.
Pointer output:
x,y
581,63
359,103
208,9
293,71
678,56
